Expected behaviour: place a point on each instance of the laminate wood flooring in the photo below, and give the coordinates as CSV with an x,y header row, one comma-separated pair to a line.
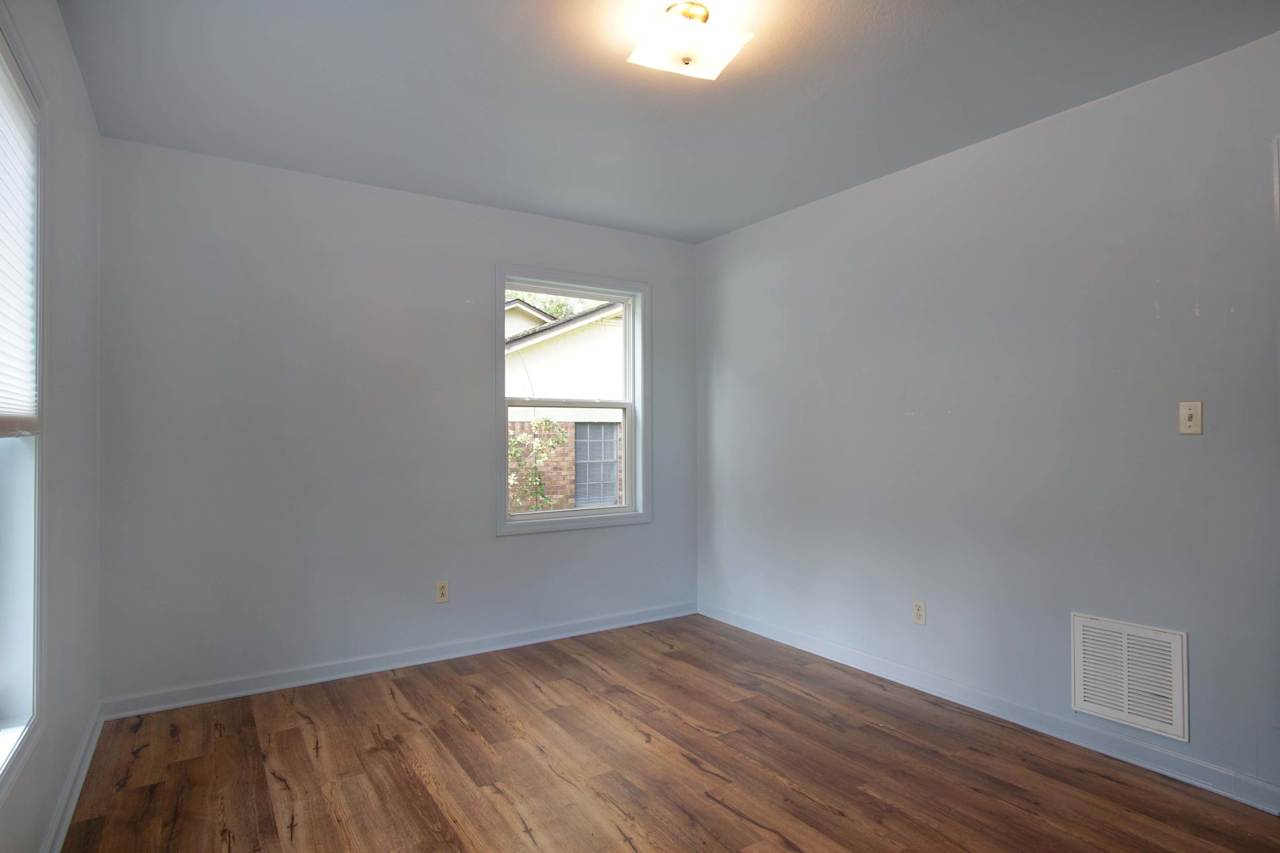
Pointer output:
x,y
681,735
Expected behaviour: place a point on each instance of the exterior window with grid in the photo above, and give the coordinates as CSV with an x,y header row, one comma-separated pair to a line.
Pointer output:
x,y
596,464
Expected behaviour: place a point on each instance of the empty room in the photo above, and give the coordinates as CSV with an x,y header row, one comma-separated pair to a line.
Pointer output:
x,y
637,425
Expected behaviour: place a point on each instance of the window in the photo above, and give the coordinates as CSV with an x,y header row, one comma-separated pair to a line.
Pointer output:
x,y
19,403
596,459
572,401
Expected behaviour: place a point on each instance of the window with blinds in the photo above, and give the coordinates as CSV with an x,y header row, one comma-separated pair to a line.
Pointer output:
x,y
19,397
19,406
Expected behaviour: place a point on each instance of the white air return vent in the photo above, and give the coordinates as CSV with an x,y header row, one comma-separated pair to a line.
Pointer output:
x,y
1133,674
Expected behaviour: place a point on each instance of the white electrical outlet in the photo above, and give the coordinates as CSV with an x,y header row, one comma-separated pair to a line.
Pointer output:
x,y
442,592
917,611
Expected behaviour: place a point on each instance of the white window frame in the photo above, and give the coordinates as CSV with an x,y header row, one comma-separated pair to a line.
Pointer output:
x,y
637,428
15,55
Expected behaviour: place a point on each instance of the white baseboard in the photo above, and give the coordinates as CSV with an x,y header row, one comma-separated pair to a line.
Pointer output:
x,y
1222,780
71,790
231,688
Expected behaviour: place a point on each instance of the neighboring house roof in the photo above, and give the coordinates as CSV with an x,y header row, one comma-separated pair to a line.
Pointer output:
x,y
549,330
530,309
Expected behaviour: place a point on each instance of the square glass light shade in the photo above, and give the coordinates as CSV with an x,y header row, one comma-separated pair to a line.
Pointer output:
x,y
691,48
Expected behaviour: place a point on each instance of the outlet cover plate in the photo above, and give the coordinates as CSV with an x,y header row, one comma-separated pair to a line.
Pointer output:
x,y
918,612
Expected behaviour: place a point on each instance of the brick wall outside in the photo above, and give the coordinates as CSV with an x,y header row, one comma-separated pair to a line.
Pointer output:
x,y
558,473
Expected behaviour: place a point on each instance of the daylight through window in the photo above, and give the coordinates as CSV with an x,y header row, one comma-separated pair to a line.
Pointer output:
x,y
572,416
19,404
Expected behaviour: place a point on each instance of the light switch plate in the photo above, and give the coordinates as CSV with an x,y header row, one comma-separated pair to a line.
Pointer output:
x,y
1191,417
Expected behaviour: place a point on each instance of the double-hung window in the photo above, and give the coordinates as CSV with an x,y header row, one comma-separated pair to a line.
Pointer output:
x,y
573,401
19,402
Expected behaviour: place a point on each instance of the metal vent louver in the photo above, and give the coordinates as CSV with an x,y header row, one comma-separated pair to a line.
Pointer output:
x,y
1133,674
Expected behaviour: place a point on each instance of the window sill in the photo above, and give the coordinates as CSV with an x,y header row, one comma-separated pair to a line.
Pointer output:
x,y
543,524
10,737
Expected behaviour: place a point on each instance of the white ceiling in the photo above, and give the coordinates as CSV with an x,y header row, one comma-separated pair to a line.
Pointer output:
x,y
530,105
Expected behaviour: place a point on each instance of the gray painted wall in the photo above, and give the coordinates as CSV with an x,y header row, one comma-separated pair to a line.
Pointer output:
x,y
299,424
959,383
68,693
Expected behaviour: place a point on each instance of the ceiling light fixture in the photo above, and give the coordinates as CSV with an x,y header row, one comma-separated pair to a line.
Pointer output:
x,y
684,41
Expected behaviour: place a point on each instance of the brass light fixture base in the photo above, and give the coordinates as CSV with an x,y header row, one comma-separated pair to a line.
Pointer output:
x,y
692,11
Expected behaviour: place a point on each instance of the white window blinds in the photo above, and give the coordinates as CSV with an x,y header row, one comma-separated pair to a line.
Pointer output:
x,y
19,404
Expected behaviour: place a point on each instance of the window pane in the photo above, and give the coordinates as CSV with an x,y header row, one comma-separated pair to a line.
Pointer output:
x,y
563,348
600,487
560,458
19,408
18,398
17,580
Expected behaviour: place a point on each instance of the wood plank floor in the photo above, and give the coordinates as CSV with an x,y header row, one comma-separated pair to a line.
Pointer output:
x,y
678,735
